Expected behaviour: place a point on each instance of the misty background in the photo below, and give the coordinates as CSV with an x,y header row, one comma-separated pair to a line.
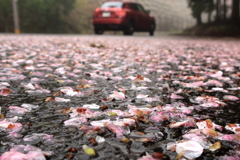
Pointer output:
x,y
200,17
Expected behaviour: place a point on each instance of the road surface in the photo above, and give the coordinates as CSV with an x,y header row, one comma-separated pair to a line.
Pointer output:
x,y
117,97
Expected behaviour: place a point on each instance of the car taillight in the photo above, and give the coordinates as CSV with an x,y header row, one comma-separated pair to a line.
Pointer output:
x,y
97,13
121,14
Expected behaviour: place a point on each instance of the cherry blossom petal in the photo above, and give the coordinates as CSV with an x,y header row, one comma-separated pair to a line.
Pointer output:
x,y
190,149
147,157
117,95
91,106
13,156
174,96
58,99
230,98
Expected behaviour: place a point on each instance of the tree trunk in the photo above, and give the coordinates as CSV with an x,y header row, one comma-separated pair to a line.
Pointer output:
x,y
217,10
235,10
199,19
210,5
224,10
209,17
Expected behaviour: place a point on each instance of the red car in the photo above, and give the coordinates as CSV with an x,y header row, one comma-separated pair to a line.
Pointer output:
x,y
121,15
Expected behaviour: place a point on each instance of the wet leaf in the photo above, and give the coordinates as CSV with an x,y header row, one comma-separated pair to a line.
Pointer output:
x,y
112,114
5,92
209,123
48,99
231,125
177,124
68,110
237,137
104,107
73,150
157,155
88,150
139,133
11,126
180,155
2,116
125,140
143,139
215,146
210,132
139,77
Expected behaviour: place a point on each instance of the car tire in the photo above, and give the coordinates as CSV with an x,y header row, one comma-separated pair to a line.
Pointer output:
x,y
129,29
152,29
98,31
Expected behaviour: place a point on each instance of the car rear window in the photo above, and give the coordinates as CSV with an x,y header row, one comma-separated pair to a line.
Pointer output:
x,y
133,6
112,5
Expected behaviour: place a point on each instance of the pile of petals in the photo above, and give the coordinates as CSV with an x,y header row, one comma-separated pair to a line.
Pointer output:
x,y
25,152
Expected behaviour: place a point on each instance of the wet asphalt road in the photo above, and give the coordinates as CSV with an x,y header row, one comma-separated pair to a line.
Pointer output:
x,y
125,97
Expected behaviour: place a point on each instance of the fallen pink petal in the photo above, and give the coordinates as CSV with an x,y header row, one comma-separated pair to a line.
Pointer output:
x,y
117,95
175,96
230,98
25,152
58,99
15,110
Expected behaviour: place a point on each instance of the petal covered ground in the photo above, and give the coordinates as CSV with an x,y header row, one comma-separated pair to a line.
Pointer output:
x,y
90,97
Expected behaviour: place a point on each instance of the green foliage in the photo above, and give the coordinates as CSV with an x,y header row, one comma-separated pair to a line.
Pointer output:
x,y
197,6
222,25
6,16
200,6
37,16
209,8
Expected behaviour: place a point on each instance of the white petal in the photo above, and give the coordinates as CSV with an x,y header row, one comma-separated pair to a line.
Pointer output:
x,y
91,106
190,149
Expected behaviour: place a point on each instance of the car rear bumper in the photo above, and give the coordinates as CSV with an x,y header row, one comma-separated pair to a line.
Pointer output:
x,y
109,23
109,26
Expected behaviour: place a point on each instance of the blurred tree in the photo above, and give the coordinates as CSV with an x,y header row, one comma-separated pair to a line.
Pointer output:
x,y
6,16
47,16
235,11
218,3
197,6
37,16
225,24
209,9
224,10
220,6
79,19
